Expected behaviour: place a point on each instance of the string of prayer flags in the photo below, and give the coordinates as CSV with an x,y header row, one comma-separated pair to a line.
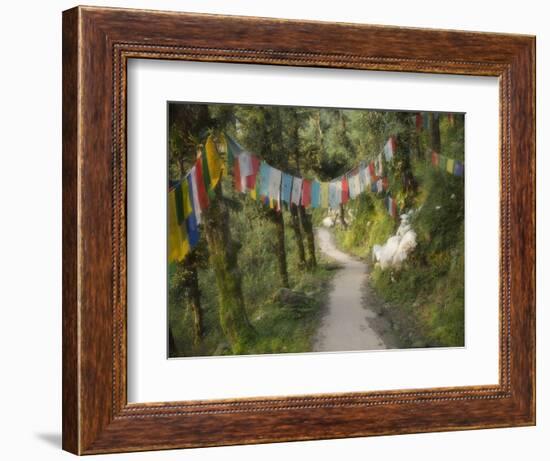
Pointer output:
x,y
451,166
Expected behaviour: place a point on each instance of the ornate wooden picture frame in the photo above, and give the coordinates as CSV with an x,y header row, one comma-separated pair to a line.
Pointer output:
x,y
97,44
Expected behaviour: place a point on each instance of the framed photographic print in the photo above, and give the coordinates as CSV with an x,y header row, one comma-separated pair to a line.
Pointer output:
x,y
282,230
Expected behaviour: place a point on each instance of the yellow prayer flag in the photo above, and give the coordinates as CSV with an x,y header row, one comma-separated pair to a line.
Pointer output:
x,y
186,199
450,165
215,165
324,195
178,243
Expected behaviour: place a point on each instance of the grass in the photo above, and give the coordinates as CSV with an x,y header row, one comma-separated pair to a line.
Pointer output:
x,y
426,296
279,328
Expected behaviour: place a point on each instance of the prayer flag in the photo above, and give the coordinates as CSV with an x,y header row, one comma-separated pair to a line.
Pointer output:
x,y
274,184
215,165
459,169
324,193
190,220
195,193
385,183
426,120
379,186
354,186
263,185
306,192
315,194
361,176
335,194
389,148
379,165
178,245
450,165
245,164
345,189
237,182
286,188
251,179
233,149
418,122
372,171
296,190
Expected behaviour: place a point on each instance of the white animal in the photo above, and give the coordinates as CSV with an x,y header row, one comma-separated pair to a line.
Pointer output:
x,y
397,247
328,222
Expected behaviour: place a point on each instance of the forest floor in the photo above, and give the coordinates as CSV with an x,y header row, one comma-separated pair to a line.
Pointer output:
x,y
353,320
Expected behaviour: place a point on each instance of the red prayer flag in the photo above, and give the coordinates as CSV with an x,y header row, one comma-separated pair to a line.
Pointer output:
x,y
393,145
372,171
251,179
237,176
385,183
201,189
419,122
306,192
345,190
393,208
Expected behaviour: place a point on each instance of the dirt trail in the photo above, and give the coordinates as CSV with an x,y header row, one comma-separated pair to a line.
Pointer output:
x,y
345,326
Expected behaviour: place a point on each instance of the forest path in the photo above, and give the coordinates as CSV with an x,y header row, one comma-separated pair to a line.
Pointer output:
x,y
345,326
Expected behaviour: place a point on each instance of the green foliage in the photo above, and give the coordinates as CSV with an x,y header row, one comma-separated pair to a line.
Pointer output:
x,y
426,295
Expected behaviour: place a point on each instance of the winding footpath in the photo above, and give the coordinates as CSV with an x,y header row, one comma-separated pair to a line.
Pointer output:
x,y
345,326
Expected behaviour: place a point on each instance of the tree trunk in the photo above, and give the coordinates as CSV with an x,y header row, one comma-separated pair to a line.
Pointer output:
x,y
295,224
307,229
223,258
195,300
342,216
172,349
435,135
278,220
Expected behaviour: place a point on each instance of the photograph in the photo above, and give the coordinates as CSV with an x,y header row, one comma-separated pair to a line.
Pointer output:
x,y
313,229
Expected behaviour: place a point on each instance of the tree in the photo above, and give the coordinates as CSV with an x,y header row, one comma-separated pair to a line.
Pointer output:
x,y
223,251
435,135
190,124
260,130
